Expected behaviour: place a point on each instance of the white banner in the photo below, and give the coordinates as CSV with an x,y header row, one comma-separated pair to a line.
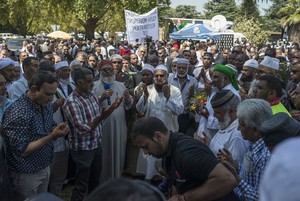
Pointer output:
x,y
140,26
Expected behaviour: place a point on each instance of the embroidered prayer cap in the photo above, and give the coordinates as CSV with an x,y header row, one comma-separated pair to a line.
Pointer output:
x,y
230,71
252,63
148,67
61,64
207,54
183,61
17,64
279,127
270,62
6,62
280,180
116,56
161,67
221,98
175,60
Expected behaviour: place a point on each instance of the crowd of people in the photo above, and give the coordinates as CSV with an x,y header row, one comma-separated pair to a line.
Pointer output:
x,y
195,120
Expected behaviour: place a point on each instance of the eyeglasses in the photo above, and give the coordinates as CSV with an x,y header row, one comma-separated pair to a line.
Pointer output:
x,y
107,70
142,51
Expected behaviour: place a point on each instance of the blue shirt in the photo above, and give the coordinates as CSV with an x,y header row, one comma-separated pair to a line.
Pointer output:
x,y
251,172
3,106
184,88
24,122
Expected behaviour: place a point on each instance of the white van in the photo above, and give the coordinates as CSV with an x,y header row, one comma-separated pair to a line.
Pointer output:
x,y
6,35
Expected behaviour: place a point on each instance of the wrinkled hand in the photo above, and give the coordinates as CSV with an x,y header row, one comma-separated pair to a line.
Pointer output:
x,y
225,155
145,89
202,110
61,130
166,90
107,93
191,90
127,97
112,107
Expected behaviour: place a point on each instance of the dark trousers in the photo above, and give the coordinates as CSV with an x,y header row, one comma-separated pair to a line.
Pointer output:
x,y
88,169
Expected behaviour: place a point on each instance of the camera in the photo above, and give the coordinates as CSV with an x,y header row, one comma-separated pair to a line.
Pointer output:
x,y
148,39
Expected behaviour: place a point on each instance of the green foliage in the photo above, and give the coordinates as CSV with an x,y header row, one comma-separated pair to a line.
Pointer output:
x,y
227,8
252,29
290,17
249,9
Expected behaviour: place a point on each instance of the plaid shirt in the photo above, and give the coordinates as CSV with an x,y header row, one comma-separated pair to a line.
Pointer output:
x,y
80,110
247,189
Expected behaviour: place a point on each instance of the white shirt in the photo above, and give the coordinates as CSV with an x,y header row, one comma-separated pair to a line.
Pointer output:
x,y
231,139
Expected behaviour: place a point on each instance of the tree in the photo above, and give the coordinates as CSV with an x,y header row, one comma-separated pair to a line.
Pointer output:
x,y
249,9
227,8
252,29
290,13
272,18
186,11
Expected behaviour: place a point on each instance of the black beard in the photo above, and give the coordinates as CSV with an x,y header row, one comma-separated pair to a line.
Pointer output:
x,y
246,79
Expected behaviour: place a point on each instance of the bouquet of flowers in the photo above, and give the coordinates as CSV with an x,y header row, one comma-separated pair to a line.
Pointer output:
x,y
198,101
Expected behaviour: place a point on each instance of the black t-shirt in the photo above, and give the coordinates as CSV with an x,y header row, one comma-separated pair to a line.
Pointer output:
x,y
188,163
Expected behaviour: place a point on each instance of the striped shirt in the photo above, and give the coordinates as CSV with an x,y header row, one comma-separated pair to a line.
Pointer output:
x,y
80,110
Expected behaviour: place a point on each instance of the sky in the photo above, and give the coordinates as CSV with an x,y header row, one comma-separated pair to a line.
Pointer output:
x,y
198,3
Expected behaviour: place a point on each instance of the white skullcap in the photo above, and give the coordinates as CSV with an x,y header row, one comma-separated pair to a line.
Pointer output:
x,y
60,65
175,60
252,63
280,181
115,56
148,67
5,62
270,62
161,67
183,61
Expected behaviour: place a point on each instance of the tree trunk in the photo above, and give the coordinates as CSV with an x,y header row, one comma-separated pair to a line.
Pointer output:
x,y
294,34
89,31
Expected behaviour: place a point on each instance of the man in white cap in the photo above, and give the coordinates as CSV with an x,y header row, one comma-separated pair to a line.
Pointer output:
x,y
7,69
163,101
187,86
268,65
63,74
30,66
249,71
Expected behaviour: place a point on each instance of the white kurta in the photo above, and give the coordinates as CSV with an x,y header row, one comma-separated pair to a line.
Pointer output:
x,y
114,133
231,139
157,106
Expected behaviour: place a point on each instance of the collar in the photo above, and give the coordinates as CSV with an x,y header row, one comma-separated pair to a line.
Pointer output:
x,y
79,93
274,101
176,77
232,126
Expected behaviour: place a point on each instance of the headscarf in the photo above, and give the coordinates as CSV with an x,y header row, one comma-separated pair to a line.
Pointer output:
x,y
230,72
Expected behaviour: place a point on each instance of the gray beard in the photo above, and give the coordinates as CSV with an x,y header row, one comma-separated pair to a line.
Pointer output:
x,y
223,125
108,80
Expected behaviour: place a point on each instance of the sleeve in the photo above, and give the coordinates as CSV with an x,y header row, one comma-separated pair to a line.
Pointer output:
x,y
15,92
16,126
175,103
203,161
73,113
141,106
212,122
246,192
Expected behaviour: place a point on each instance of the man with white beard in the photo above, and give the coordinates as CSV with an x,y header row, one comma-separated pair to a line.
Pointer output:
x,y
187,85
224,104
114,130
